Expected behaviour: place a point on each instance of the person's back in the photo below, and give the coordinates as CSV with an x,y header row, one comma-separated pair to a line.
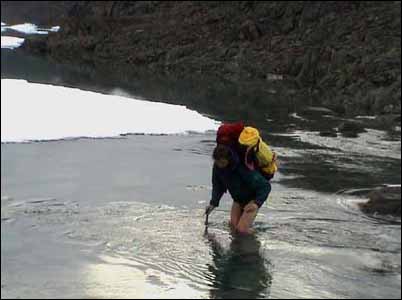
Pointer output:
x,y
253,152
242,183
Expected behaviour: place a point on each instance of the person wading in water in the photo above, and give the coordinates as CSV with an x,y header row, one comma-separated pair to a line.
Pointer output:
x,y
248,188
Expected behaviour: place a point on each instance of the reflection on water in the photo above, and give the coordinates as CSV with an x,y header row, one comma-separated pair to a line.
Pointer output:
x,y
241,272
121,278
253,103
324,164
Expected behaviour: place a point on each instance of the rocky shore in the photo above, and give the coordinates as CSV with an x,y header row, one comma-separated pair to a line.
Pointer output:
x,y
343,55
384,200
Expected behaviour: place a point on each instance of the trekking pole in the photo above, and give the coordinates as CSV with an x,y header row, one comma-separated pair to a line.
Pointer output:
x,y
207,212
207,215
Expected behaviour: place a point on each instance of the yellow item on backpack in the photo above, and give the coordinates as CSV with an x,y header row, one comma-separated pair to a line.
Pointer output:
x,y
250,137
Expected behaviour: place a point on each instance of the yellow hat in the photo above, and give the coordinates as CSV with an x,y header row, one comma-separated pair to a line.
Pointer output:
x,y
249,136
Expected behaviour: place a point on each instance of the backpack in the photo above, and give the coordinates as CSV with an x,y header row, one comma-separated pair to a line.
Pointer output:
x,y
228,133
265,157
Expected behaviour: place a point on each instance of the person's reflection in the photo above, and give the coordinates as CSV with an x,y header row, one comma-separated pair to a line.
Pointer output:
x,y
240,272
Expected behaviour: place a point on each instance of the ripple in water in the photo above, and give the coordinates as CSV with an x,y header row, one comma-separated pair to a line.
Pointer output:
x,y
174,244
299,250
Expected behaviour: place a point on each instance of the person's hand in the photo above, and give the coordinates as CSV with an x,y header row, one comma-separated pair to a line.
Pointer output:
x,y
209,209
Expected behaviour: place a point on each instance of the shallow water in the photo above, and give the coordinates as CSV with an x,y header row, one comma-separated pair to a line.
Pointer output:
x,y
136,229
123,217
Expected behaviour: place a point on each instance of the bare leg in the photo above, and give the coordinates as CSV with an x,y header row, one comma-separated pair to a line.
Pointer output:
x,y
235,215
247,218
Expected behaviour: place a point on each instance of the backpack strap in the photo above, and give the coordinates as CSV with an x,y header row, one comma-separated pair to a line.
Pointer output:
x,y
249,165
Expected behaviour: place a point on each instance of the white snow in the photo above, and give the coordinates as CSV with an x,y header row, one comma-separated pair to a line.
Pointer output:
x,y
366,117
55,28
296,116
31,111
392,185
11,42
27,28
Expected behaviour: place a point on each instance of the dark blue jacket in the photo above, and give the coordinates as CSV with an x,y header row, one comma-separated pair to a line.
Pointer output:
x,y
243,184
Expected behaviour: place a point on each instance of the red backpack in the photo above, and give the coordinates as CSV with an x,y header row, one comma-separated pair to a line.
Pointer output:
x,y
228,133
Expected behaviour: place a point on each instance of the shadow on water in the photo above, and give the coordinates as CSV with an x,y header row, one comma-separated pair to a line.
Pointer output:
x,y
240,272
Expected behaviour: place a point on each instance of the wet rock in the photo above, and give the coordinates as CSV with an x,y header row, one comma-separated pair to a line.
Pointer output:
x,y
350,134
385,201
316,111
274,77
249,31
329,133
40,13
394,119
351,129
36,44
388,120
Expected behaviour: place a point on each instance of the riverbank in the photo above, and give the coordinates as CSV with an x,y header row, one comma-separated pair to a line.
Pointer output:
x,y
343,55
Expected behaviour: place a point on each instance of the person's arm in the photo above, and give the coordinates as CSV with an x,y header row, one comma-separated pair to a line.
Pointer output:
x,y
218,188
258,183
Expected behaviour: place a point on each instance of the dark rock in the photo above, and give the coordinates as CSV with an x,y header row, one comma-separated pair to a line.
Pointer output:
x,y
249,31
329,133
388,121
39,12
350,134
274,77
351,129
36,44
316,111
384,201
